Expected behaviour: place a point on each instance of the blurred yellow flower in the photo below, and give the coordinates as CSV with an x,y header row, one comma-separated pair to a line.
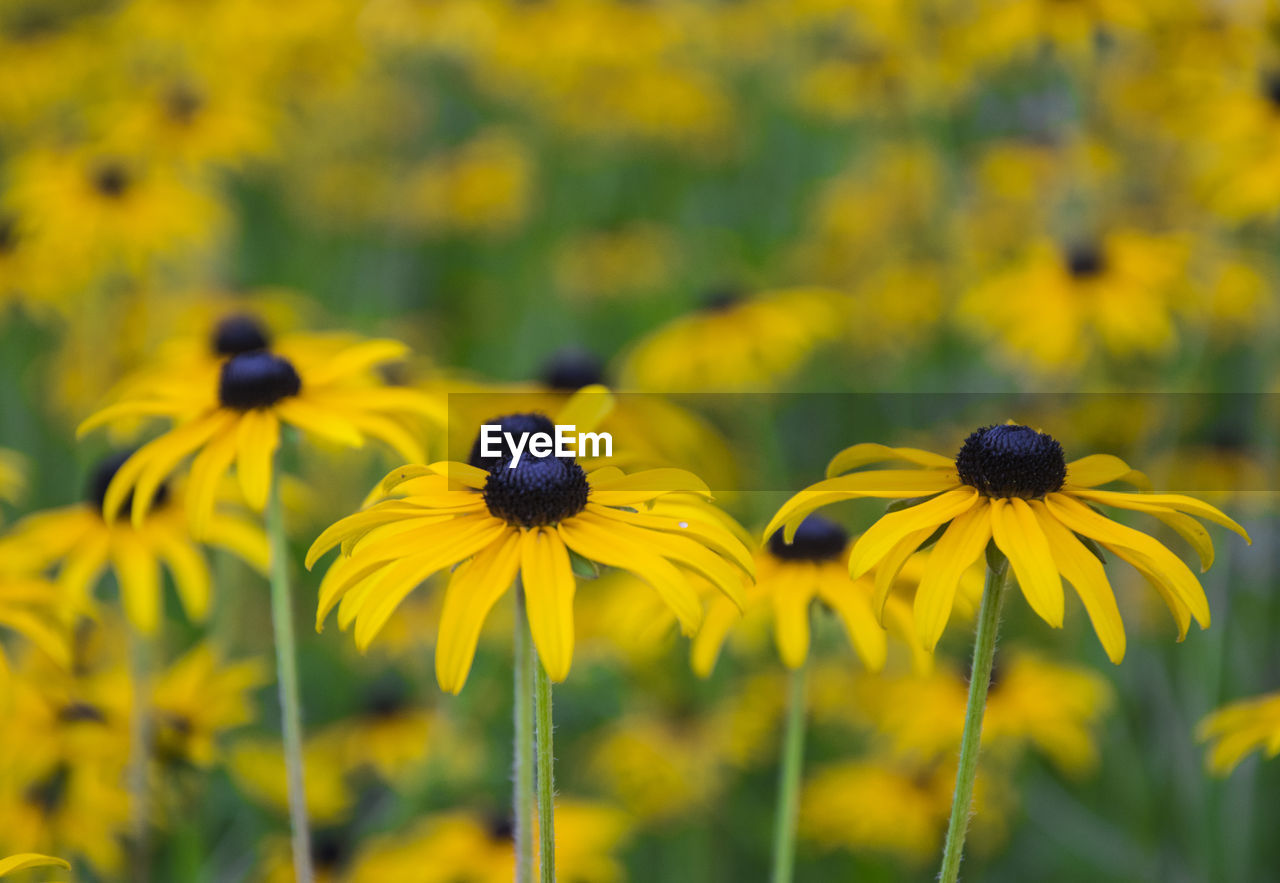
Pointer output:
x,y
482,186
1239,728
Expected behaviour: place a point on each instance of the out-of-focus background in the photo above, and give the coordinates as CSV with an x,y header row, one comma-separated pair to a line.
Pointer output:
x,y
952,209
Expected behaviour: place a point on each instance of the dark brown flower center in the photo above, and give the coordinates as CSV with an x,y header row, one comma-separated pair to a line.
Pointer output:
x,y
1012,461
256,379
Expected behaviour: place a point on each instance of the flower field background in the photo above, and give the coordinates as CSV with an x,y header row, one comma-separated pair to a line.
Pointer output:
x,y
773,228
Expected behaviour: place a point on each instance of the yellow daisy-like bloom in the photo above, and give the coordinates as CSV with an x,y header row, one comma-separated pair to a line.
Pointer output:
x,y
505,520
736,343
1011,485
389,734
27,860
1239,728
29,606
79,542
1060,306
790,577
197,699
327,389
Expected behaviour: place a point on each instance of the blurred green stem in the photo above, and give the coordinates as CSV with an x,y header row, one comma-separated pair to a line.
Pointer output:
x,y
140,754
546,775
287,675
523,747
784,830
984,651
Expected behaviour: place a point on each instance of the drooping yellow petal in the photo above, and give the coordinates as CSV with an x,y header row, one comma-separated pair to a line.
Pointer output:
x,y
886,533
1018,535
683,550
355,360
1097,469
852,603
257,437
390,431
463,473
1088,577
401,474
1083,520
721,615
1195,533
891,565
708,533
357,525
125,411
601,544
82,567
139,576
956,549
190,572
207,470
52,642
242,538
1176,502
791,598
401,577
870,452
888,484
312,419
587,408
640,487
1159,582
27,860
159,458
548,590
473,590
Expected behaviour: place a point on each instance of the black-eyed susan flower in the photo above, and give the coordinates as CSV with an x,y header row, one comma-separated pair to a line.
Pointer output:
x,y
78,543
790,578
389,732
1239,728
736,342
1064,304
502,522
1012,485
197,699
235,414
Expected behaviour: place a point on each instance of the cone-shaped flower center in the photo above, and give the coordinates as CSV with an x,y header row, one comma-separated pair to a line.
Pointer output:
x,y
572,368
719,300
101,477
817,539
329,849
1012,461
516,424
256,379
182,103
537,492
240,333
1085,260
111,180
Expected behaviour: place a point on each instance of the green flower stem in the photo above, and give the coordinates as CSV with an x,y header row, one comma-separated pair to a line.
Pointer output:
x,y
784,830
546,774
523,747
287,675
984,651
140,754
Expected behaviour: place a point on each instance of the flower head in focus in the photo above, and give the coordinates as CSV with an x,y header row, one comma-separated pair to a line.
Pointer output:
x,y
1012,487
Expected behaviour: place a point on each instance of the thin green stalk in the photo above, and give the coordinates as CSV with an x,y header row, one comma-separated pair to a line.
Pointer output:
x,y
140,755
523,747
784,830
546,774
984,651
287,675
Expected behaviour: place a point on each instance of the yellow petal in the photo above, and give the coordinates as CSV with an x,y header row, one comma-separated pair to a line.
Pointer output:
x,y
158,459
27,860
889,484
707,533
548,590
600,544
207,470
1018,535
852,603
473,590
891,565
956,549
792,597
721,615
463,473
242,538
1177,502
587,408
257,437
355,360
869,452
139,576
1099,469
886,533
1180,580
312,419
190,573
1088,577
